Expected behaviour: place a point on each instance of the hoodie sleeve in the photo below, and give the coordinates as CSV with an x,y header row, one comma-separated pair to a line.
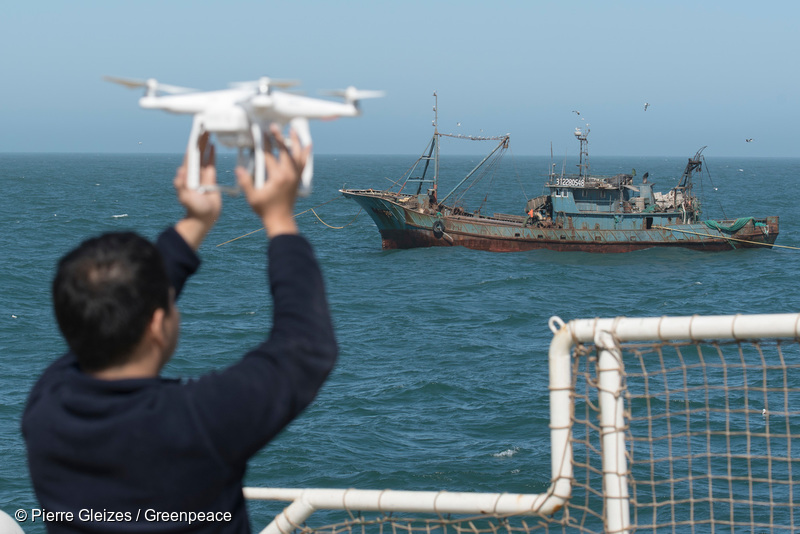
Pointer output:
x,y
179,259
244,406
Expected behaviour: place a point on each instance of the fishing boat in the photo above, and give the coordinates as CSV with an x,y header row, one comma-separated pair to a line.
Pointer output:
x,y
577,212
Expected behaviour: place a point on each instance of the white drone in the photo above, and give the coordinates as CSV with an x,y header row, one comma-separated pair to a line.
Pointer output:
x,y
240,116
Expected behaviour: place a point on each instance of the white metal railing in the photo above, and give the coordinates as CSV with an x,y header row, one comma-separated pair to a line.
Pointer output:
x,y
306,501
607,337
692,425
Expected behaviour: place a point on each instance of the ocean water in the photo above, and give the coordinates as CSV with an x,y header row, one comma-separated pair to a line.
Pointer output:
x,y
442,377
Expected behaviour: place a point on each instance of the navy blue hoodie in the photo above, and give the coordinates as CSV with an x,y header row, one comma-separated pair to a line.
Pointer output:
x,y
118,455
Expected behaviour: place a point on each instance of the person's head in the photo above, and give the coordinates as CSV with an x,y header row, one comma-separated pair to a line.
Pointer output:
x,y
105,295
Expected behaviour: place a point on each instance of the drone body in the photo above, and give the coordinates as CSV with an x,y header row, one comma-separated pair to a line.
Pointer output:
x,y
242,115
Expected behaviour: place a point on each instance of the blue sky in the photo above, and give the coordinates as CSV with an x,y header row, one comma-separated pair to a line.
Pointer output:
x,y
714,72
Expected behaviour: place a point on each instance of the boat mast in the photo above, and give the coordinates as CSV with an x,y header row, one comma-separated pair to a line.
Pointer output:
x,y
583,165
427,157
695,164
435,150
436,143
431,153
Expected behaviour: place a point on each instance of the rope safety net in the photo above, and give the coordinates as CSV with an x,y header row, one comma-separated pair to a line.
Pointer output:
x,y
711,434
711,429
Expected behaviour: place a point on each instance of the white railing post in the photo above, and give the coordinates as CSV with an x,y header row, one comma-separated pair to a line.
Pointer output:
x,y
561,410
612,433
306,501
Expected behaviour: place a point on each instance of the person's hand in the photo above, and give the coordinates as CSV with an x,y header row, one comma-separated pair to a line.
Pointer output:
x,y
203,206
274,201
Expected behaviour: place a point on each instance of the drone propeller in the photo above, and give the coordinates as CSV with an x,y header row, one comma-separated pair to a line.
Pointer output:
x,y
151,84
264,84
351,94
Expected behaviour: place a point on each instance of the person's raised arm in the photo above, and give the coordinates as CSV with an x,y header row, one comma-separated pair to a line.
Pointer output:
x,y
202,206
274,201
250,402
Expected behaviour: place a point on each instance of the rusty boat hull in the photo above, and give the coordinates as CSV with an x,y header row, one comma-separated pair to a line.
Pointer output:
x,y
404,225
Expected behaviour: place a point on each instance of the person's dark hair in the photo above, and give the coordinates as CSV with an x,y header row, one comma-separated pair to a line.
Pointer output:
x,y
104,294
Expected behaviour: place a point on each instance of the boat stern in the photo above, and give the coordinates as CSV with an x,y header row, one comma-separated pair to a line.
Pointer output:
x,y
770,229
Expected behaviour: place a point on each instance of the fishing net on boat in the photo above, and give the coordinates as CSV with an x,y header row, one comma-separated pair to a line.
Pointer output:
x,y
737,225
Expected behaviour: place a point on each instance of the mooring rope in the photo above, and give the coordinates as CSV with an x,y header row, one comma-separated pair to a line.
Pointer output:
x,y
726,238
336,227
297,215
241,236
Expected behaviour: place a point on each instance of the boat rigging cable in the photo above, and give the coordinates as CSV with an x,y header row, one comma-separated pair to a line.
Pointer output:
x,y
725,238
492,155
708,173
490,167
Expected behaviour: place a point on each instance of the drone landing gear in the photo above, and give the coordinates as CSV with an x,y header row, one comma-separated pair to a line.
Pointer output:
x,y
251,158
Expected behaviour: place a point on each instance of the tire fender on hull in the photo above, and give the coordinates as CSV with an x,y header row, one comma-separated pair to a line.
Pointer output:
x,y
438,229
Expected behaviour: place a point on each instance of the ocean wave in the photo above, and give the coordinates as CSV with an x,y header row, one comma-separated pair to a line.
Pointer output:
x,y
508,453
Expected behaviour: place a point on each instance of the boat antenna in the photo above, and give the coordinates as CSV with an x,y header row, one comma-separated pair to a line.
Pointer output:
x,y
435,112
583,165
